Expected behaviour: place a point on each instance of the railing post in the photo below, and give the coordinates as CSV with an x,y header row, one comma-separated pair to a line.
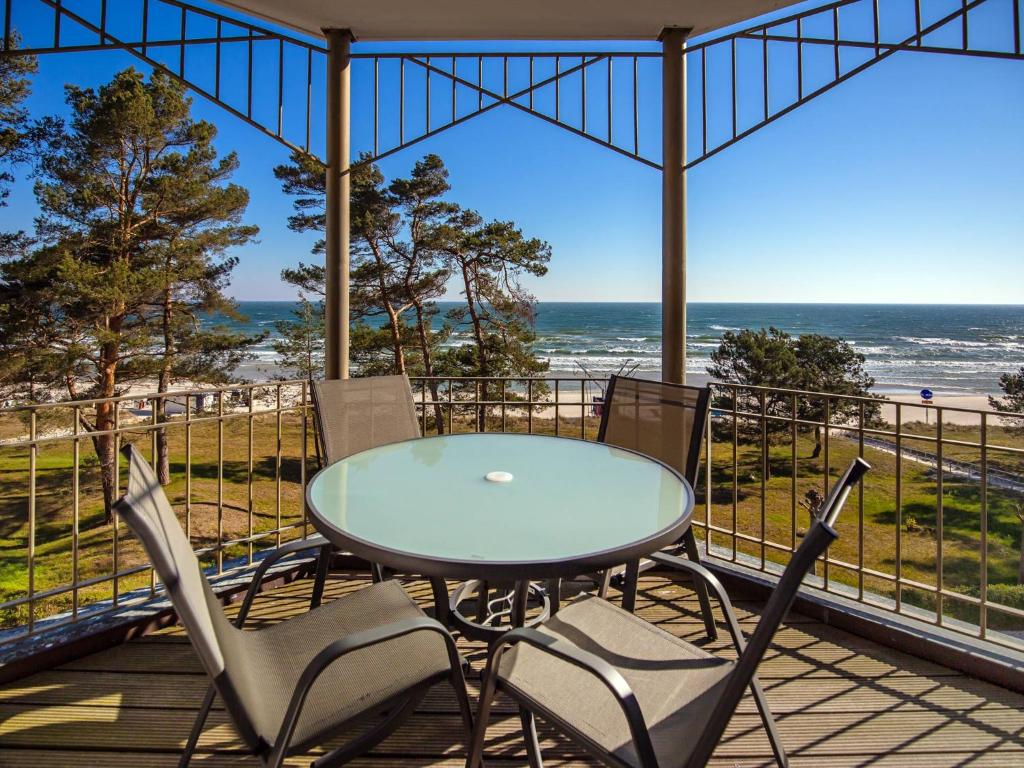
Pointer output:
x,y
337,203
673,206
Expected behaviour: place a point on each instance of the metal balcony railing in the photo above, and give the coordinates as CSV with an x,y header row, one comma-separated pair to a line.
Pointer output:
x,y
933,533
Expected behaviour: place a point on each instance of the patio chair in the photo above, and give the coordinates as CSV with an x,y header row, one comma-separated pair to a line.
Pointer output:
x,y
630,693
297,683
353,415
666,422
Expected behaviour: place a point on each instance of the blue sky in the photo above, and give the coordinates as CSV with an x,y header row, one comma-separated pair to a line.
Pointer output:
x,y
903,184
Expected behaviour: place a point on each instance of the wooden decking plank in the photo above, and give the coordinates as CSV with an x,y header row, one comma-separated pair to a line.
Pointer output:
x,y
35,758
112,727
839,700
808,695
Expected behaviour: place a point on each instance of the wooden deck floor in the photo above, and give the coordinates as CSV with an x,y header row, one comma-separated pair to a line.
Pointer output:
x,y
839,700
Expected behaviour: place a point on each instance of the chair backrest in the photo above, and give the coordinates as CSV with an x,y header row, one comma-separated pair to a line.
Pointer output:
x,y
817,540
149,515
662,420
353,415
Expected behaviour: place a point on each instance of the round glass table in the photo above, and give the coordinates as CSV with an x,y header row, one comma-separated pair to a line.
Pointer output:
x,y
499,508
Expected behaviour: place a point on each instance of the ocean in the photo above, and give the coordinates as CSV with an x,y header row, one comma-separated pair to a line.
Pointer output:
x,y
951,349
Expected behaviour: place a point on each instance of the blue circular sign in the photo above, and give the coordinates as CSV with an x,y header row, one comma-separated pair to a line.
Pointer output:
x,y
927,394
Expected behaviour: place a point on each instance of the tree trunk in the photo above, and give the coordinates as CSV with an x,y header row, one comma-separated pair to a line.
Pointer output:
x,y
106,445
817,443
428,367
481,350
163,459
393,323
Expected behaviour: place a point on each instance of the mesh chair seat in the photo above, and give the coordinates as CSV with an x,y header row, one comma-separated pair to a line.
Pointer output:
x,y
265,665
676,683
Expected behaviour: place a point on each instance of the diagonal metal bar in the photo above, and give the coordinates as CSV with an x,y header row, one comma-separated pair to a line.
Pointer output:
x,y
883,54
842,43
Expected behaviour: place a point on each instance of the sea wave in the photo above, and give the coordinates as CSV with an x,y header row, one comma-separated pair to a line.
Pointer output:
x,y
931,341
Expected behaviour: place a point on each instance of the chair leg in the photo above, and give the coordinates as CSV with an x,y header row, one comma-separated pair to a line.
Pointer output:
x,y
606,582
483,716
530,737
376,573
465,710
693,554
769,723
323,565
554,590
197,727
630,586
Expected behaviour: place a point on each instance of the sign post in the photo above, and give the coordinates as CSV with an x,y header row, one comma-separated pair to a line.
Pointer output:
x,y
926,399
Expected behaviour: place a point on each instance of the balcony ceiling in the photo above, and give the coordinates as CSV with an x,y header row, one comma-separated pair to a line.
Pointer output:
x,y
503,20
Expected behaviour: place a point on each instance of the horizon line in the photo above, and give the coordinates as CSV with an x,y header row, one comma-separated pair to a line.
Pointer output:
x,y
724,301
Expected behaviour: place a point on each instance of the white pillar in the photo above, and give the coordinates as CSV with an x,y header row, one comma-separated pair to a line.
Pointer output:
x,y
337,201
673,206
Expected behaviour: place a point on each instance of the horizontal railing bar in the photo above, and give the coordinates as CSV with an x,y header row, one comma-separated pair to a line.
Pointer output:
x,y
146,428
142,568
154,395
505,55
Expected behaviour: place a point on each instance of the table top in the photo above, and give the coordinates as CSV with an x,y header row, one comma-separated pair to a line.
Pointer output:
x,y
571,506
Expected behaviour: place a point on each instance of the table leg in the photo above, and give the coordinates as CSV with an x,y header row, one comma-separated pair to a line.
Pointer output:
x,y
441,608
630,586
482,594
519,603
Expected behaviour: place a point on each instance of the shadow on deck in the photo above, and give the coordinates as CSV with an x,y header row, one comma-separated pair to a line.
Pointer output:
x,y
840,700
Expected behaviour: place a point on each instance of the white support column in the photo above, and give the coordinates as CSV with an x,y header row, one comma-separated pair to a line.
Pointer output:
x,y
673,206
337,201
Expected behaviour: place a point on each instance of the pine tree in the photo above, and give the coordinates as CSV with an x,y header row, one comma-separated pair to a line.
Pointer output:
x,y
15,131
488,260
301,343
17,373
424,268
199,222
773,359
396,272
98,284
1012,400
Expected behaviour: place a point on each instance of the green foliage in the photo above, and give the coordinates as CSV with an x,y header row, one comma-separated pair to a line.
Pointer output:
x,y
407,243
137,217
811,362
488,259
1012,400
301,343
15,131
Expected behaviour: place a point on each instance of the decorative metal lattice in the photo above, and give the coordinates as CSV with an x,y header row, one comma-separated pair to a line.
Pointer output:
x,y
737,83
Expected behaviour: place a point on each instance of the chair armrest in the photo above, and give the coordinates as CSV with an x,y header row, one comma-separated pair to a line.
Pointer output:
x,y
596,666
354,642
712,582
290,548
